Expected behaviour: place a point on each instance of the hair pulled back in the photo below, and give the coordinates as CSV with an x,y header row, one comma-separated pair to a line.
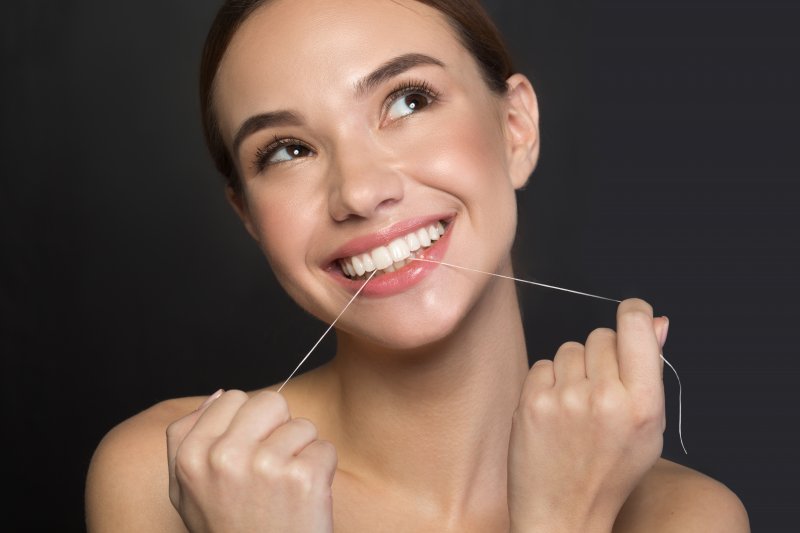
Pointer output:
x,y
469,20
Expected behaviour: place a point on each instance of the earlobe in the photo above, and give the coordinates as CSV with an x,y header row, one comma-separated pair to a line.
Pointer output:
x,y
239,204
522,127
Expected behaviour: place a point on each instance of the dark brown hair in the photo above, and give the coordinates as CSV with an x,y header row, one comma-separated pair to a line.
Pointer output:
x,y
471,23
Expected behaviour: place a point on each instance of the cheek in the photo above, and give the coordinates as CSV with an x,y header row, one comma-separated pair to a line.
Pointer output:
x,y
464,155
284,228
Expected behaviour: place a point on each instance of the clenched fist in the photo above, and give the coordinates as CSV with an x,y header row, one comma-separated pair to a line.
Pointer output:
x,y
243,464
589,425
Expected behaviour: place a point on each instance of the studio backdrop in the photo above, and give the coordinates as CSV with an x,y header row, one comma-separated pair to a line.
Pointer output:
x,y
668,172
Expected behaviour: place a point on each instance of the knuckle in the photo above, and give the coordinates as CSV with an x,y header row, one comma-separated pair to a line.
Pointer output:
x,y
174,430
224,456
637,317
539,369
306,426
572,401
235,394
328,453
266,464
539,404
541,363
647,414
327,448
275,402
570,346
302,475
602,334
636,304
607,399
189,461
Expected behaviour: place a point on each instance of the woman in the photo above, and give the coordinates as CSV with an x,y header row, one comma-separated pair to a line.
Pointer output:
x,y
349,131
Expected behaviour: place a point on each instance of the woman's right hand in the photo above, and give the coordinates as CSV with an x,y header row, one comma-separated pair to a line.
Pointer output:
x,y
243,464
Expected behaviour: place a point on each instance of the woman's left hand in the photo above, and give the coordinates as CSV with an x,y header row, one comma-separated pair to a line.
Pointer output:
x,y
589,425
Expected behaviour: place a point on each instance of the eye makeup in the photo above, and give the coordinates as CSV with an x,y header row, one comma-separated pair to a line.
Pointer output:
x,y
296,148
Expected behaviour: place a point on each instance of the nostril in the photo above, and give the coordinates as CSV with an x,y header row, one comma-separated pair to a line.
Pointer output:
x,y
389,202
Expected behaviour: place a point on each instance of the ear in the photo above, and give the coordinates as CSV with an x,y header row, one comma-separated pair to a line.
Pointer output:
x,y
239,204
522,129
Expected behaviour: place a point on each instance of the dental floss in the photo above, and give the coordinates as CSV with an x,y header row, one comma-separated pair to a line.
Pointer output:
x,y
327,330
680,386
515,279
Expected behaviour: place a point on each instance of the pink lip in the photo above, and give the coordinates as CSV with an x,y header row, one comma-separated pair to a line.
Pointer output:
x,y
359,245
394,282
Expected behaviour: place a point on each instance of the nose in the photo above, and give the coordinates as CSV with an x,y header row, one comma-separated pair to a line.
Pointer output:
x,y
363,182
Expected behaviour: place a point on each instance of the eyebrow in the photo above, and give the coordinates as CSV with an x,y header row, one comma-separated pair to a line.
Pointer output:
x,y
390,69
262,121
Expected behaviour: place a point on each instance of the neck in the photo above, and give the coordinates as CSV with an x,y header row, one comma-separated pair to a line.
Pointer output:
x,y
436,423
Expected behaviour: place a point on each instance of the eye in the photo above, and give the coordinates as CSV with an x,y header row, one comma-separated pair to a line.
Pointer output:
x,y
409,98
405,105
287,153
280,151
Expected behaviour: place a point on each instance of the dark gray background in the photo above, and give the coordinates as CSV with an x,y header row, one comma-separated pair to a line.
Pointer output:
x,y
668,172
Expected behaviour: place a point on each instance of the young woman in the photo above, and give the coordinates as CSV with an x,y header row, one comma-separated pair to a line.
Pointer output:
x,y
357,136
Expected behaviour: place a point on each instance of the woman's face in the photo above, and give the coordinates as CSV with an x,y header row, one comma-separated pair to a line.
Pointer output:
x,y
356,123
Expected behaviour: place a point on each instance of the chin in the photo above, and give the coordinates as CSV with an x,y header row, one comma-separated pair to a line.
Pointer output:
x,y
410,332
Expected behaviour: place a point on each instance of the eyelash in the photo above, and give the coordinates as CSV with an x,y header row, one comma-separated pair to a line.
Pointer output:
x,y
262,155
411,87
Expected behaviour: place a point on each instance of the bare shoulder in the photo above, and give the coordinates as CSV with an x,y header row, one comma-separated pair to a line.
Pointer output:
x,y
675,498
127,486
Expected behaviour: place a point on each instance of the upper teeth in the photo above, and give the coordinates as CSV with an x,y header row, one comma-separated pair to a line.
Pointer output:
x,y
394,255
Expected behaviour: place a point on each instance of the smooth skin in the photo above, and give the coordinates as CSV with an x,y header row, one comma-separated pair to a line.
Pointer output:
x,y
428,417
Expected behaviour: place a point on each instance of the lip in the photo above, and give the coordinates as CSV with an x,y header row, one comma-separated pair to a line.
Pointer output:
x,y
382,237
391,283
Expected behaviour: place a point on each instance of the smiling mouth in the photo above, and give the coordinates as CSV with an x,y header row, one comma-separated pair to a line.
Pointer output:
x,y
394,255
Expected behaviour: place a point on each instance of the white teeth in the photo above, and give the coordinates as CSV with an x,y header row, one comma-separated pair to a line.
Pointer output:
x,y
413,242
399,250
348,268
394,255
358,266
366,260
381,257
424,238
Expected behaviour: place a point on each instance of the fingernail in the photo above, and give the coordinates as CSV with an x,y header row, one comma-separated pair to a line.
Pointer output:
x,y
211,399
664,332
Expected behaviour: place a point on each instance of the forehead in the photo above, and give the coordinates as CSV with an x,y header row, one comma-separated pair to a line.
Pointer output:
x,y
287,51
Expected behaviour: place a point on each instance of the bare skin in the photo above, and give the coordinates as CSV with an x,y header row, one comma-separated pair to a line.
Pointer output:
x,y
428,418
128,483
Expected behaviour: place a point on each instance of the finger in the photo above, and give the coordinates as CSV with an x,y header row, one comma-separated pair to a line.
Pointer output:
x,y
176,433
601,355
257,418
178,430
292,437
569,364
216,417
637,346
321,455
541,375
